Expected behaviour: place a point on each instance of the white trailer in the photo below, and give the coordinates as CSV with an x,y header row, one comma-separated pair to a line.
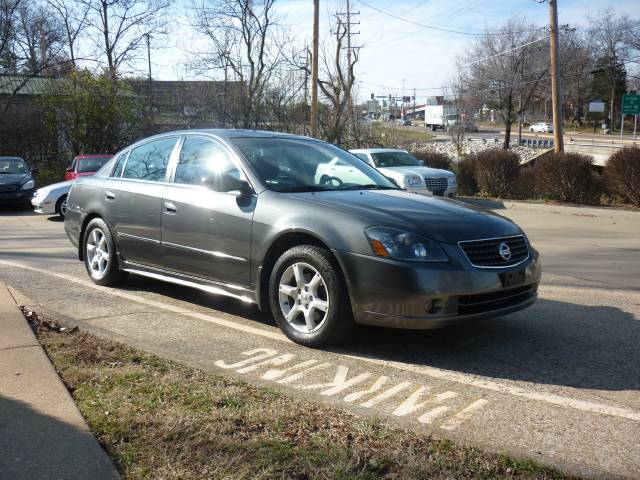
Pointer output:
x,y
439,116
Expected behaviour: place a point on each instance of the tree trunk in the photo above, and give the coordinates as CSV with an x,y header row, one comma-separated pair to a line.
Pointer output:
x,y
507,136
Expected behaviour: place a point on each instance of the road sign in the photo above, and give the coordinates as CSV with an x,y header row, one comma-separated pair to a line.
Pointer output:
x,y
596,106
631,105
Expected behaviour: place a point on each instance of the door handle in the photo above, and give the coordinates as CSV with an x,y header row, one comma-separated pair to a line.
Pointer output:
x,y
170,208
109,195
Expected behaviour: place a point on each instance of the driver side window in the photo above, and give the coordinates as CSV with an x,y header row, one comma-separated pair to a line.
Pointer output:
x,y
201,160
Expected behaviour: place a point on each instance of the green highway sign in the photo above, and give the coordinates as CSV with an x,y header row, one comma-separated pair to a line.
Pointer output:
x,y
631,104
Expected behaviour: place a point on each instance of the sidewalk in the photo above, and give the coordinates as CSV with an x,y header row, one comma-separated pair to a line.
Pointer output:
x,y
42,433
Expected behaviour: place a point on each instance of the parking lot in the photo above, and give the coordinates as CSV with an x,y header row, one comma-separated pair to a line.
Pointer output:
x,y
558,382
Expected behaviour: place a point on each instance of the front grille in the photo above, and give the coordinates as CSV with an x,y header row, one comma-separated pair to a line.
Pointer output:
x,y
486,253
8,188
486,302
436,185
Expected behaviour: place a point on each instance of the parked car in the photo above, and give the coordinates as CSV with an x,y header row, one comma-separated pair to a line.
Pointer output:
x,y
541,127
17,181
52,199
85,165
405,121
409,172
243,213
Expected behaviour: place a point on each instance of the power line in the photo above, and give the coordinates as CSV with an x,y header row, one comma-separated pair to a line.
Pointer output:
x,y
433,27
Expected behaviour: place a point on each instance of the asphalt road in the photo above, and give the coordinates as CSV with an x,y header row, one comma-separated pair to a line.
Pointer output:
x,y
558,383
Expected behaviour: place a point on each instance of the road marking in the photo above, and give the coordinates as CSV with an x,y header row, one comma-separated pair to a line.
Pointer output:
x,y
388,393
464,414
433,414
379,383
339,383
434,372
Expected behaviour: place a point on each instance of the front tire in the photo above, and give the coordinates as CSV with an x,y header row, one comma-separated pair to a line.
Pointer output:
x,y
100,257
61,206
309,297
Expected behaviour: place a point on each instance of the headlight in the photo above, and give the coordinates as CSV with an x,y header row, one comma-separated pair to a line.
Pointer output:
x,y
400,245
413,181
28,185
451,180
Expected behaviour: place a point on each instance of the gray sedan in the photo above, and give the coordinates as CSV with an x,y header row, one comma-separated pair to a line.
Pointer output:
x,y
258,216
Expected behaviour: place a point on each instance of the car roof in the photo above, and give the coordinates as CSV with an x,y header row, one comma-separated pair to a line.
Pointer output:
x,y
94,155
229,133
11,158
376,150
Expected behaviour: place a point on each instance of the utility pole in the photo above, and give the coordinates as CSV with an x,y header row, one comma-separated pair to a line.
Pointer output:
x,y
150,88
306,87
348,23
314,69
556,93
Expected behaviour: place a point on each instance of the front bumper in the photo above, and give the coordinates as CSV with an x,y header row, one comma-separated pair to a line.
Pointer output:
x,y
415,295
17,196
43,205
450,192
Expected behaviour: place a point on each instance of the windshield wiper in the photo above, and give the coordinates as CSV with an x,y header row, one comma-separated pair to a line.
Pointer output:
x,y
306,188
369,186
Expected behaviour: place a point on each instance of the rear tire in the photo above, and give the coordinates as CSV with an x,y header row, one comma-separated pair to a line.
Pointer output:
x,y
100,258
309,297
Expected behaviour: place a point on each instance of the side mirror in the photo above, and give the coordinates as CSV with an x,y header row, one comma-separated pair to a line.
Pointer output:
x,y
69,169
35,171
225,182
421,162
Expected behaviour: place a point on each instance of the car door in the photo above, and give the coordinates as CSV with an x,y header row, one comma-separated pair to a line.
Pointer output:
x,y
133,200
206,231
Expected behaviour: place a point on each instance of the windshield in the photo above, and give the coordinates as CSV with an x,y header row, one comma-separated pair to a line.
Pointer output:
x,y
86,165
289,165
394,159
13,165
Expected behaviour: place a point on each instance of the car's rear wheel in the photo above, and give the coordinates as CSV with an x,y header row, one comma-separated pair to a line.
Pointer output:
x,y
100,257
61,206
309,297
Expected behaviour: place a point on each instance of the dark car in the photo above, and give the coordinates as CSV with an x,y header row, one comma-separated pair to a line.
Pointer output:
x,y
17,182
261,217
86,165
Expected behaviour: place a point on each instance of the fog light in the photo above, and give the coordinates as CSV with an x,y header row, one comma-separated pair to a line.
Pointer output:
x,y
434,306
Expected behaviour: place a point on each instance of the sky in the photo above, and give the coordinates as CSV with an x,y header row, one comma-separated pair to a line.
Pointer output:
x,y
394,53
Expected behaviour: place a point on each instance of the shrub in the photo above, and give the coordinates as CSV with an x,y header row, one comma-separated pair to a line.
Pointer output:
x,y
496,172
47,176
433,159
568,177
622,174
466,176
525,187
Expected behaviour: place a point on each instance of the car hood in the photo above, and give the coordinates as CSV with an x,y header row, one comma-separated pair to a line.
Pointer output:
x,y
14,178
420,171
60,187
444,220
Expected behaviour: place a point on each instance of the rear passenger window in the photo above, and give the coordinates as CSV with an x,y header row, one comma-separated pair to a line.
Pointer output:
x,y
149,161
117,172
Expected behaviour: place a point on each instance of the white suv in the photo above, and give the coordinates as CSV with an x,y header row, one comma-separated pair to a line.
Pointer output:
x,y
409,172
541,127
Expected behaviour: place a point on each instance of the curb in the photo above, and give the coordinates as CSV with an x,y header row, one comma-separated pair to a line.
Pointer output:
x,y
43,435
583,211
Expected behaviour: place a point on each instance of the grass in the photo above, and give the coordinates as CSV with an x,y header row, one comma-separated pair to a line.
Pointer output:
x,y
161,420
397,135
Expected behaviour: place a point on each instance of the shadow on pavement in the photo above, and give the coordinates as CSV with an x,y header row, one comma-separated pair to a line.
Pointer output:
x,y
37,446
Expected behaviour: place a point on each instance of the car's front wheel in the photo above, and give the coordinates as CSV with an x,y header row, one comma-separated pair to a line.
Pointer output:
x,y
61,206
100,257
309,297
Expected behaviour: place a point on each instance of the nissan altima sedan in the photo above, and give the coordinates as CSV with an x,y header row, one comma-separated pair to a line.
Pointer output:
x,y
246,214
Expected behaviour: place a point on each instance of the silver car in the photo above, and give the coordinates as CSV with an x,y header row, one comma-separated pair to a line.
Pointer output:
x,y
409,172
260,217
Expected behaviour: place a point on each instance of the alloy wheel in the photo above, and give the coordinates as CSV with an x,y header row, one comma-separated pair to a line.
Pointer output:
x,y
98,257
303,297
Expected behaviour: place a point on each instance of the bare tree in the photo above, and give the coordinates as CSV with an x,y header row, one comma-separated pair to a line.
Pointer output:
x,y
8,20
506,70
336,84
608,32
244,41
121,27
73,18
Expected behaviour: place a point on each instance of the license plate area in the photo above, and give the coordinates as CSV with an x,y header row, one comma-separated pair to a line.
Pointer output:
x,y
513,279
